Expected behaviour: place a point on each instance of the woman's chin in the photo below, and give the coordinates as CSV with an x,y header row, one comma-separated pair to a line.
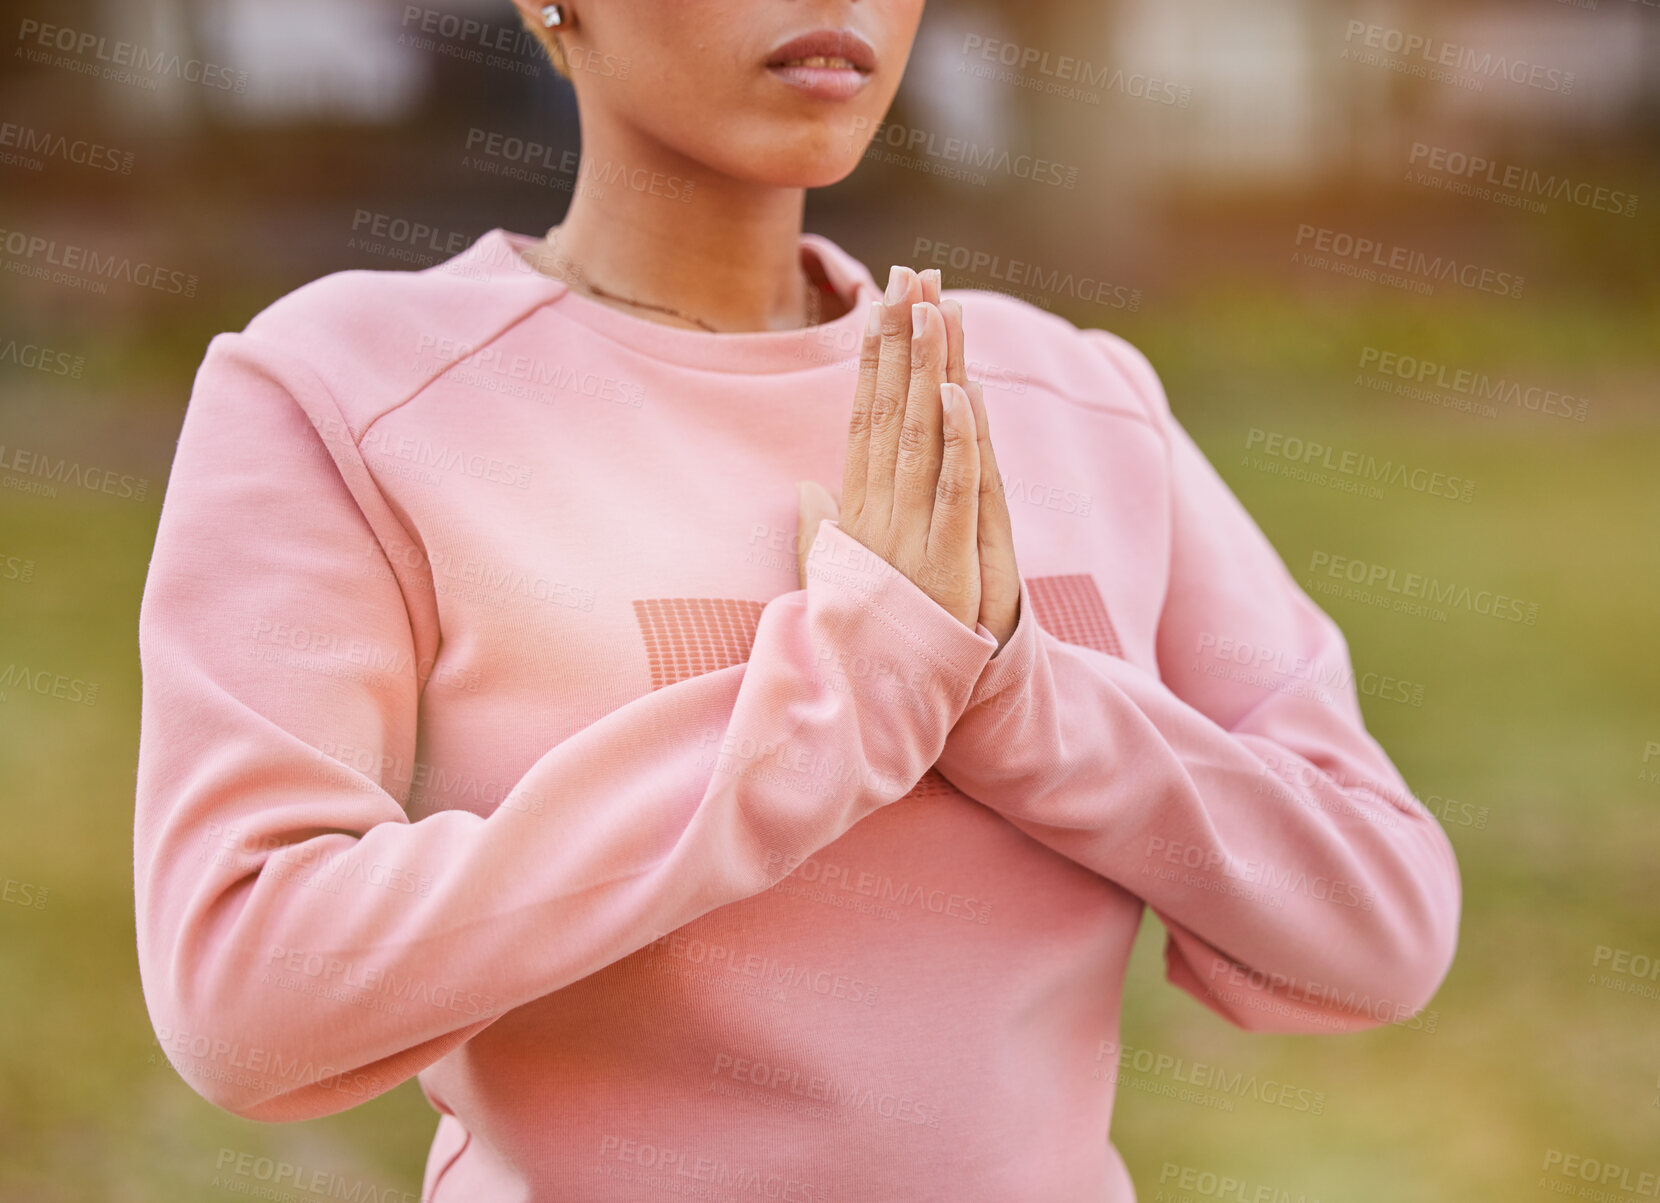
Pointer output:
x,y
808,159
821,174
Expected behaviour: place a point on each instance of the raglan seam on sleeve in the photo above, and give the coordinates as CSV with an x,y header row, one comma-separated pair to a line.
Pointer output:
x,y
1093,405
321,387
1105,340
1108,344
444,369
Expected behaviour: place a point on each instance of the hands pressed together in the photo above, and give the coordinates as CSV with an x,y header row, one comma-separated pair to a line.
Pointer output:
x,y
920,487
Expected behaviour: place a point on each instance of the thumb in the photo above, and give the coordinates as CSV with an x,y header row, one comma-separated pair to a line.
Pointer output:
x,y
814,504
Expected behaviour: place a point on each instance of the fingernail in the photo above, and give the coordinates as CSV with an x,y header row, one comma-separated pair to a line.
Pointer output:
x,y
934,272
896,285
947,398
873,319
919,317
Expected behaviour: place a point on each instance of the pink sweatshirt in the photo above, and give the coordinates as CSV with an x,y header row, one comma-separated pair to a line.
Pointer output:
x,y
488,738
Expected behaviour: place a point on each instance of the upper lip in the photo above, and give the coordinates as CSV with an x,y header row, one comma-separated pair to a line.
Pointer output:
x,y
828,43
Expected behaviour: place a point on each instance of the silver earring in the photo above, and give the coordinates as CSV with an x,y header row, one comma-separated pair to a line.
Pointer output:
x,y
553,14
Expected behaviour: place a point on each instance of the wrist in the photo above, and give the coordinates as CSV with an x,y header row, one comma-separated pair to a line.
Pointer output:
x,y
1004,631
839,565
1010,666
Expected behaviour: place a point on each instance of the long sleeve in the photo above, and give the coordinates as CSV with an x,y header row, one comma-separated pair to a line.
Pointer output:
x,y
1302,886
303,944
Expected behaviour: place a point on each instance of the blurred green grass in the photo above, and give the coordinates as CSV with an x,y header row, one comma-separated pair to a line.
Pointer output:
x,y
1542,725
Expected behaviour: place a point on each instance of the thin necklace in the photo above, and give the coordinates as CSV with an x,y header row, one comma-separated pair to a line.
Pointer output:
x,y
814,296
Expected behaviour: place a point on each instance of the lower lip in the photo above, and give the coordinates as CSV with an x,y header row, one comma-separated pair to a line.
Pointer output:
x,y
826,83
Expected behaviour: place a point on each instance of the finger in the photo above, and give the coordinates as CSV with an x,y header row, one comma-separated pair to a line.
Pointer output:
x,y
995,528
813,505
887,413
930,278
956,361
956,495
856,464
916,472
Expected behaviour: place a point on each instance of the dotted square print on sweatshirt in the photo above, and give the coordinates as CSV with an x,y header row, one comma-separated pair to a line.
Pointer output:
x,y
689,636
1070,607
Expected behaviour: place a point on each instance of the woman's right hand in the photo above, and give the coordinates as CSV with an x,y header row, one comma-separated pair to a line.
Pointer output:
x,y
911,481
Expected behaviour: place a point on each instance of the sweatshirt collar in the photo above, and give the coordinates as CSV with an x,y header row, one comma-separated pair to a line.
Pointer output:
x,y
497,256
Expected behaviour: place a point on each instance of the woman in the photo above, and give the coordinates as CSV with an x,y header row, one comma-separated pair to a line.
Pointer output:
x,y
500,729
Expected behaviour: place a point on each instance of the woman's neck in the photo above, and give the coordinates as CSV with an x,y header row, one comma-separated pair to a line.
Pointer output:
x,y
672,234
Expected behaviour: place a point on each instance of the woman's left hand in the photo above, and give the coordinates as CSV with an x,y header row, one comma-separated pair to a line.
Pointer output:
x,y
999,574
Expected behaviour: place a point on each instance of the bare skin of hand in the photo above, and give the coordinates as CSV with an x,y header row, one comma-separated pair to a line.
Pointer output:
x,y
897,362
911,478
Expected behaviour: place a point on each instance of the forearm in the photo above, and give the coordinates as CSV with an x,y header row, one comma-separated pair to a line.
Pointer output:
x,y
302,943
